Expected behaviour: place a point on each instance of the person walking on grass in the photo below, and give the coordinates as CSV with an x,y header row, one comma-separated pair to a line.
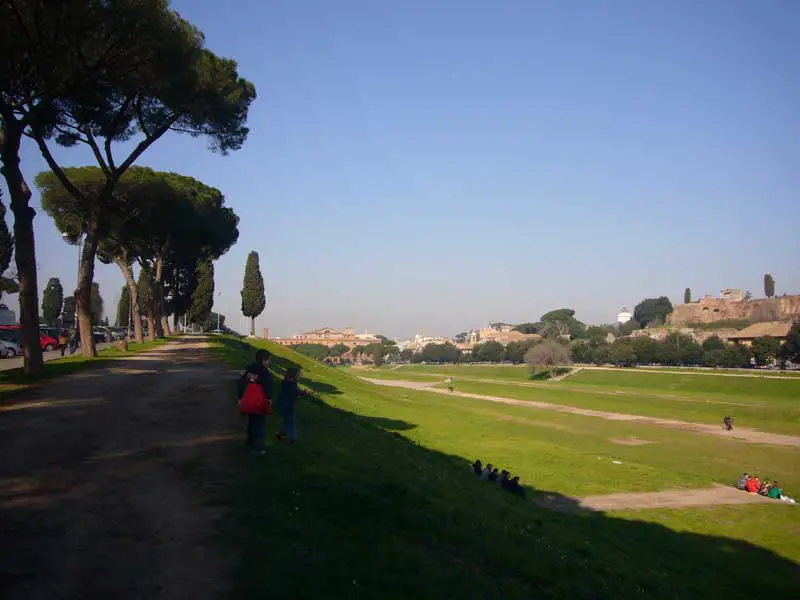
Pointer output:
x,y
286,405
254,393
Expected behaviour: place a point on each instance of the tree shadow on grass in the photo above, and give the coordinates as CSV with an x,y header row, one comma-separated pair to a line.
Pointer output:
x,y
236,351
357,510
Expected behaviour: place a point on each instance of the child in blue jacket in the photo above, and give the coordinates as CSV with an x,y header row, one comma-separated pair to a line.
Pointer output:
x,y
286,404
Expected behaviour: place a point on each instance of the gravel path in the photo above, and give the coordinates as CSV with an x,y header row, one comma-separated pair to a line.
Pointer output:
x,y
739,433
94,498
713,496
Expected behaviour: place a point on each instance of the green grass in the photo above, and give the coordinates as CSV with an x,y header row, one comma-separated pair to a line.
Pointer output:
x,y
779,417
376,501
13,381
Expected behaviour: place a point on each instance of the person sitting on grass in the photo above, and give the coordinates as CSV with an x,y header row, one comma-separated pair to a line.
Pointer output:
x,y
764,489
514,487
775,491
494,475
742,482
504,475
486,472
477,468
753,485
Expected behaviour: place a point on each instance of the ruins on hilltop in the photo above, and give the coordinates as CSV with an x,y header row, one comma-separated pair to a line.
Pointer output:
x,y
731,305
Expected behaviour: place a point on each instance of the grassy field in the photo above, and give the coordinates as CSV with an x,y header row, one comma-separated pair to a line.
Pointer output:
x,y
376,500
766,404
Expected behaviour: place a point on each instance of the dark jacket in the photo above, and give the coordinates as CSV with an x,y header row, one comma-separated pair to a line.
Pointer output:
x,y
288,396
264,377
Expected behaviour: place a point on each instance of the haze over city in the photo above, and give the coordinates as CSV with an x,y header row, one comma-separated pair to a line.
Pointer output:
x,y
434,166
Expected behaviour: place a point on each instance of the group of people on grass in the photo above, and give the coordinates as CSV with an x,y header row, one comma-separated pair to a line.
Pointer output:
x,y
753,485
255,402
502,478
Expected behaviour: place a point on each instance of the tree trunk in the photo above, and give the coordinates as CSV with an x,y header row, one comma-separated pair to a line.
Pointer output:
x,y
133,293
252,326
175,322
165,324
83,296
24,245
151,328
158,296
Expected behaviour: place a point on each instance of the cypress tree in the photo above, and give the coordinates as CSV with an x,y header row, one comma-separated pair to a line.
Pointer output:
x,y
203,295
124,307
253,298
52,301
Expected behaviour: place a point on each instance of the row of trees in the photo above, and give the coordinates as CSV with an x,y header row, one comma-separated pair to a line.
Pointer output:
x,y
60,310
172,226
98,73
675,349
562,322
679,349
376,353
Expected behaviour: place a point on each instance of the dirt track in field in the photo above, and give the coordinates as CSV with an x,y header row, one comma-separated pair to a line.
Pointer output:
x,y
739,433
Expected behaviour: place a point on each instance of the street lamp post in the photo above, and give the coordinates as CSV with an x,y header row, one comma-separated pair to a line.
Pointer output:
x,y
219,295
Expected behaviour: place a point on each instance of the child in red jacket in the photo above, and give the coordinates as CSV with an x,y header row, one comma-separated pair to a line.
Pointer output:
x,y
255,401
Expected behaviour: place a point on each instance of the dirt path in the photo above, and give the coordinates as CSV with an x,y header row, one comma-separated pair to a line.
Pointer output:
x,y
94,499
713,496
740,433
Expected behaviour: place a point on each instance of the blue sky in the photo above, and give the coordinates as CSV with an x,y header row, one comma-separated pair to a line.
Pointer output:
x,y
430,166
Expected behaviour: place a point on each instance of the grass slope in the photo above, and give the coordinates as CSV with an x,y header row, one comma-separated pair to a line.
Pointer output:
x,y
376,501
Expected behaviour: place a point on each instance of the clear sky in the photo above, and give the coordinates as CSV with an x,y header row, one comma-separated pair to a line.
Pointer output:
x,y
432,165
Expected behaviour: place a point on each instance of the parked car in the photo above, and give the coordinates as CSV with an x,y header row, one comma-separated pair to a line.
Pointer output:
x,y
13,333
9,349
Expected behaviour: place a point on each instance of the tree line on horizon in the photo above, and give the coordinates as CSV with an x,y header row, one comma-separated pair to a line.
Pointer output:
x,y
99,74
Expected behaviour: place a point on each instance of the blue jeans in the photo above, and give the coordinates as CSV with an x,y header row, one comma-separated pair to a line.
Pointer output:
x,y
256,432
289,426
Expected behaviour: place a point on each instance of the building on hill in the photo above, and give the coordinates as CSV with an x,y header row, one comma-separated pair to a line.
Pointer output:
x,y
504,335
776,329
328,336
624,316
731,306
420,341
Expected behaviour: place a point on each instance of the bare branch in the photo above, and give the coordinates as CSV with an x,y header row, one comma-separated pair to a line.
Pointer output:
x,y
145,144
114,125
96,151
140,117
56,168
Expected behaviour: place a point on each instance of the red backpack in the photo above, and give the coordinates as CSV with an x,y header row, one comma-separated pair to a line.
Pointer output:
x,y
254,401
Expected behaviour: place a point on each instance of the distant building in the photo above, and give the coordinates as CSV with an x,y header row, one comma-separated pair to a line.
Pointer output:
x,y
328,336
502,333
731,295
420,341
777,329
624,316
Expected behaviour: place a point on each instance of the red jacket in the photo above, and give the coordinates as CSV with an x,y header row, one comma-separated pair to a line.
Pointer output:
x,y
753,485
255,401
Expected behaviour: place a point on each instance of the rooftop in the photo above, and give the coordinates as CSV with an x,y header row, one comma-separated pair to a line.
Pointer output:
x,y
777,329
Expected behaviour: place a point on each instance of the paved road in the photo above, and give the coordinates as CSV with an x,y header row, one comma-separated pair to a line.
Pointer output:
x,y
94,500
14,363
